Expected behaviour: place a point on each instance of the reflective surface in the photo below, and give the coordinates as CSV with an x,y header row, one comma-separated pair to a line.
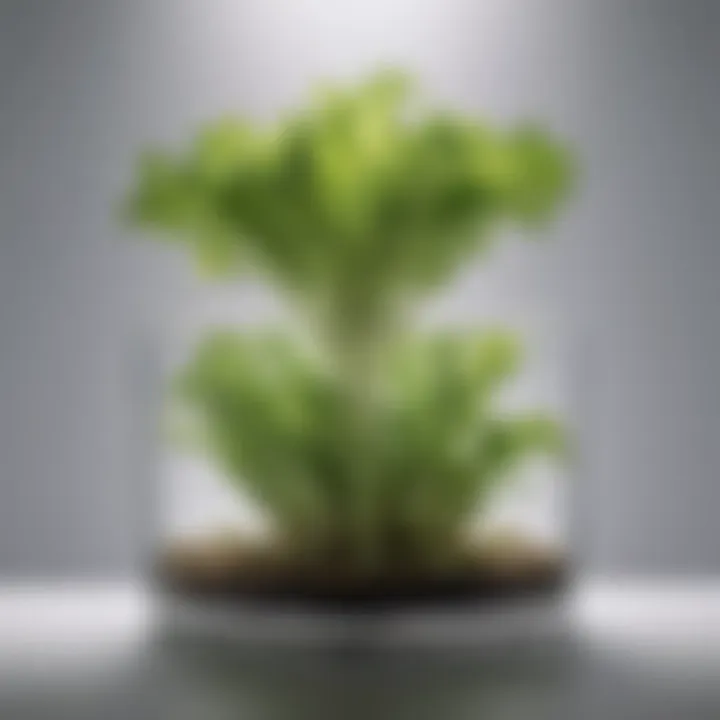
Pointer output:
x,y
169,678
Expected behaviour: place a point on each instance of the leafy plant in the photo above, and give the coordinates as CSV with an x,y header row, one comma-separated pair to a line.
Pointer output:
x,y
379,440
275,421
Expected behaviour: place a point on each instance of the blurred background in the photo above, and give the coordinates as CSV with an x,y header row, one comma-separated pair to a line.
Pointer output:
x,y
631,270
633,262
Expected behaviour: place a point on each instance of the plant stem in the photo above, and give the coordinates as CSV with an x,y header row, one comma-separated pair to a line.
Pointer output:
x,y
358,351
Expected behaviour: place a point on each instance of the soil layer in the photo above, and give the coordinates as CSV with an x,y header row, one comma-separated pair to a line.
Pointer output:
x,y
232,570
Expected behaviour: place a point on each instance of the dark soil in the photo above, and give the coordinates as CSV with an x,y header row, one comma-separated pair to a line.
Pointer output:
x,y
233,570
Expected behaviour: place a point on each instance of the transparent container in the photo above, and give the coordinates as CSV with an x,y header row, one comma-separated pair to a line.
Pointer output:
x,y
206,521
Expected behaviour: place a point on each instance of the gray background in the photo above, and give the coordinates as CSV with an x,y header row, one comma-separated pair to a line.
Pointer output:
x,y
631,84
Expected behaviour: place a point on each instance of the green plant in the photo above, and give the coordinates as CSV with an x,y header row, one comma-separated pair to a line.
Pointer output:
x,y
375,441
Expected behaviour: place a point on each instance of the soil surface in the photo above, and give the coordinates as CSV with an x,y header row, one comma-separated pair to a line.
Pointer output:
x,y
496,570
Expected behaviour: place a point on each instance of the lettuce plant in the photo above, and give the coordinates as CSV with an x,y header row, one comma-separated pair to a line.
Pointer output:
x,y
373,442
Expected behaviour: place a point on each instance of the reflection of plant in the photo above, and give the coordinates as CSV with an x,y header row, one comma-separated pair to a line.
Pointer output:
x,y
353,208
